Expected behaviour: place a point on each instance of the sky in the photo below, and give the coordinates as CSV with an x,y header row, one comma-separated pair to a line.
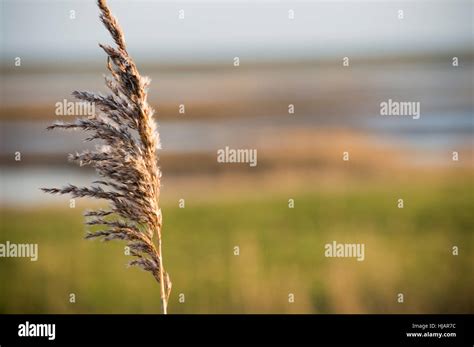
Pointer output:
x,y
219,30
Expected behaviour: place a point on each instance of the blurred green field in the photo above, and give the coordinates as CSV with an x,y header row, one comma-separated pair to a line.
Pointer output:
x,y
281,251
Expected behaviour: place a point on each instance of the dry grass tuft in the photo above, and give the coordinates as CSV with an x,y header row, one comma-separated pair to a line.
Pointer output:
x,y
126,160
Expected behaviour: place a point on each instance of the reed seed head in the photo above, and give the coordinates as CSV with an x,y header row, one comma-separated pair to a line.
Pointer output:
x,y
125,159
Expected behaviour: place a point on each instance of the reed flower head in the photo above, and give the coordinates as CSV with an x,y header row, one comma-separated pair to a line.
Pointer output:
x,y
125,160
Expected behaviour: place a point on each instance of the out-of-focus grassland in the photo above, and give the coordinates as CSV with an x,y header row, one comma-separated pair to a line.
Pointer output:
x,y
281,251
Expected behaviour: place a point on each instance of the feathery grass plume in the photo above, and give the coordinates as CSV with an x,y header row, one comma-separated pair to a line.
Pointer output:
x,y
126,160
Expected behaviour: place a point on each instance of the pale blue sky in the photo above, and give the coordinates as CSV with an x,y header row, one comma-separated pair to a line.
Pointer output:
x,y
216,30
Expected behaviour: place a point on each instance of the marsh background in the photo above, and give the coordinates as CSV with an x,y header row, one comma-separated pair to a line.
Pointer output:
x,y
337,109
